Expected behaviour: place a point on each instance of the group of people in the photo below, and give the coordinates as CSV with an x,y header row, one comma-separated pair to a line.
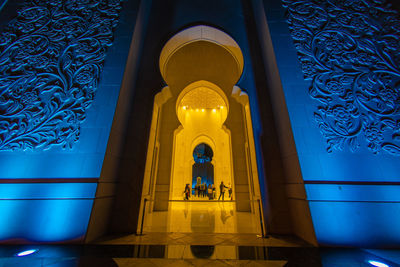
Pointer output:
x,y
202,190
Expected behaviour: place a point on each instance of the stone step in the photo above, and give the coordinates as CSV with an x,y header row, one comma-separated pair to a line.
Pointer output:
x,y
196,262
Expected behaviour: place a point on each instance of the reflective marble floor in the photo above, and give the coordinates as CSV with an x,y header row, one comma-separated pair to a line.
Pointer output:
x,y
194,255
212,239
203,217
159,255
203,234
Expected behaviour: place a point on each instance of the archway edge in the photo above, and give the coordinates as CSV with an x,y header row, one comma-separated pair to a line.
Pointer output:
x,y
200,33
203,138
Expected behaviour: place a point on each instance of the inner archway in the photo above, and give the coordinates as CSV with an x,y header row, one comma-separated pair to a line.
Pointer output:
x,y
201,105
202,168
202,109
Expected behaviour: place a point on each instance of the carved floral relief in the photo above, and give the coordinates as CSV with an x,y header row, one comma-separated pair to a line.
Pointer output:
x,y
350,52
51,57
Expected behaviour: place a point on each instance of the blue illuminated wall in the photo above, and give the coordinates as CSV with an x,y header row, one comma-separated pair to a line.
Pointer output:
x,y
61,68
45,212
52,55
339,64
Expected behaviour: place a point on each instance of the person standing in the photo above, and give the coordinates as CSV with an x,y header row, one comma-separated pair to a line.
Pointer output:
x,y
213,191
201,190
187,192
222,190
209,192
230,192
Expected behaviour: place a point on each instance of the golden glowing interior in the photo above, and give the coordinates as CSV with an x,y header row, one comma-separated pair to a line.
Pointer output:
x,y
203,35
200,104
202,112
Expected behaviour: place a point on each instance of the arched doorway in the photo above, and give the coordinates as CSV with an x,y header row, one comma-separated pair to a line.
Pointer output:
x,y
202,168
202,108
201,104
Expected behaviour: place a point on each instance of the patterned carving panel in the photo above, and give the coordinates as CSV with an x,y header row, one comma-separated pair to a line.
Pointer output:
x,y
350,52
202,97
51,56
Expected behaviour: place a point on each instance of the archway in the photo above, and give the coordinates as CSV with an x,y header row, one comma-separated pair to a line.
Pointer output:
x,y
202,109
201,104
202,168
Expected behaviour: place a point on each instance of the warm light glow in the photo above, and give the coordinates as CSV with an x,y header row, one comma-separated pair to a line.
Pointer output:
x,y
222,107
184,107
377,263
200,128
26,252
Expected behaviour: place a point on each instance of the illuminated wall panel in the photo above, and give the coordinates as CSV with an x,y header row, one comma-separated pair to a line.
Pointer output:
x,y
47,191
61,68
345,192
355,215
45,212
55,115
53,220
339,66
360,224
345,120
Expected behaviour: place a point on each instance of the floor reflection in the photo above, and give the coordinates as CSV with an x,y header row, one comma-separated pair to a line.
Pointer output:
x,y
202,217
201,252
187,255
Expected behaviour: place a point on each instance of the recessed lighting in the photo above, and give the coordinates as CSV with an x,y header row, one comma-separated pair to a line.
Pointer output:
x,y
214,110
184,107
202,110
26,252
377,263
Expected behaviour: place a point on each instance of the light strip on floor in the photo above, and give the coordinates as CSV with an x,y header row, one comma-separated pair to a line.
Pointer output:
x,y
26,252
377,263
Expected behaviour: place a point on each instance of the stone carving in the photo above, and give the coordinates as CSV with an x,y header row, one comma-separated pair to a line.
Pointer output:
x,y
350,52
51,56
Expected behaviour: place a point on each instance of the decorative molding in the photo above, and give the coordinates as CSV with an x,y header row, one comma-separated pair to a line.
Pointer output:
x,y
202,97
350,52
51,57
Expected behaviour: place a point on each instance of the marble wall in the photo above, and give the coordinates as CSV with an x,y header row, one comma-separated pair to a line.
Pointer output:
x,y
339,69
61,69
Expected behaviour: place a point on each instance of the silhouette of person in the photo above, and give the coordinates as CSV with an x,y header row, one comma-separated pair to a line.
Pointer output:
x,y
187,192
222,190
230,191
